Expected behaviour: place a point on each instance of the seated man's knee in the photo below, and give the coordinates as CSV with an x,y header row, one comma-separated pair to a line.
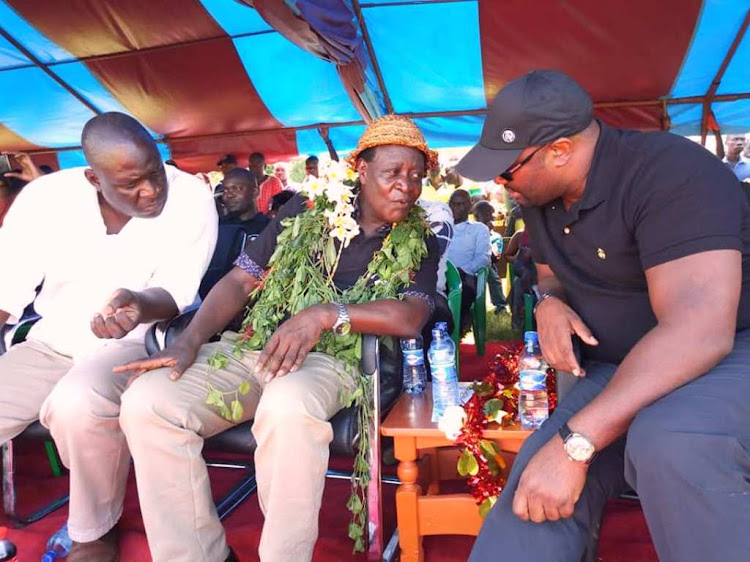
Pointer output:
x,y
143,402
76,402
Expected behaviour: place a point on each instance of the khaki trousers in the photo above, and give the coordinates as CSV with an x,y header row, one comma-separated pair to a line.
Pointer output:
x,y
165,423
80,403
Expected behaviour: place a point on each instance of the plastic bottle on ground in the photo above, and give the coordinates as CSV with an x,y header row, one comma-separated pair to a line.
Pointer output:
x,y
58,545
7,548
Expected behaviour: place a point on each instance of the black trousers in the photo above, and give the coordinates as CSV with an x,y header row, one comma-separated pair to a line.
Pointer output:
x,y
687,456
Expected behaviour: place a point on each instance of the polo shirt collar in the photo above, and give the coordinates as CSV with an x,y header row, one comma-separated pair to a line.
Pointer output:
x,y
602,164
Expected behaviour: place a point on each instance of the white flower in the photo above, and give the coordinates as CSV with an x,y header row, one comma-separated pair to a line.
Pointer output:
x,y
452,422
313,187
338,193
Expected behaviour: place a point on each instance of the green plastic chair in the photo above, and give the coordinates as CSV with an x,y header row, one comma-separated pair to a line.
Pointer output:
x,y
479,311
453,285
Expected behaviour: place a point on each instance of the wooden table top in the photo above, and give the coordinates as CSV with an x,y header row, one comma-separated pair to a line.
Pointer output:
x,y
411,416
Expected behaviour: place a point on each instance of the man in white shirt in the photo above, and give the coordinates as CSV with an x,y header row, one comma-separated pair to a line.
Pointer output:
x,y
469,251
118,246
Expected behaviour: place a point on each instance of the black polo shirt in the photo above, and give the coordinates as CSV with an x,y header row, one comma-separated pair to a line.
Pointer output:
x,y
354,258
649,198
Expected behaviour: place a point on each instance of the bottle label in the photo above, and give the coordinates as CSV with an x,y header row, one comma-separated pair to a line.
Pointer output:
x,y
532,379
445,372
414,357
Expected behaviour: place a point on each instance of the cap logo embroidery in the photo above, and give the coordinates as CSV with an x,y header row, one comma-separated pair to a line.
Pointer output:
x,y
602,255
509,136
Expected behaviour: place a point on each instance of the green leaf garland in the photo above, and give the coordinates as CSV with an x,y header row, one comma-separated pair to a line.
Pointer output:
x,y
300,274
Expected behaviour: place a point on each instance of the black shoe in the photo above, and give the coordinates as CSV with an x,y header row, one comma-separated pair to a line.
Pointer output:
x,y
232,557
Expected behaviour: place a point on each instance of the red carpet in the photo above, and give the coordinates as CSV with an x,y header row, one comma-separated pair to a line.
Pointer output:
x,y
624,538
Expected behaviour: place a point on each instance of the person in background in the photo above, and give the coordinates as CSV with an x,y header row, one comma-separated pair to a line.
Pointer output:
x,y
434,187
227,163
440,219
311,167
733,158
280,170
278,201
240,194
242,222
29,170
120,244
746,152
10,187
469,250
268,186
518,252
484,213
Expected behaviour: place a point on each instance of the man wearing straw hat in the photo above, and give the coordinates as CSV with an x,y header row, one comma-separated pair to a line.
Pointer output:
x,y
292,393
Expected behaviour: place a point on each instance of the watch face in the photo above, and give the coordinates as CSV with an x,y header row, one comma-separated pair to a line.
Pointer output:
x,y
343,329
579,448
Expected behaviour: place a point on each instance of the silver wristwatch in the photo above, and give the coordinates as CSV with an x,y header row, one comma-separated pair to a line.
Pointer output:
x,y
578,447
343,324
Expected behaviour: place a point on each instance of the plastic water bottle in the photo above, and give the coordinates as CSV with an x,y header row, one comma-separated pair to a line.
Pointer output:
x,y
442,355
7,548
414,371
58,545
533,406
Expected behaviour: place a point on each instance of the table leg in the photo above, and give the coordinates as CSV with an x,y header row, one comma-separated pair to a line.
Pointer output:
x,y
407,501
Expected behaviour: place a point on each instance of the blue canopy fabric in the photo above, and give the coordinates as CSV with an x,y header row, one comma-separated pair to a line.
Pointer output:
x,y
209,77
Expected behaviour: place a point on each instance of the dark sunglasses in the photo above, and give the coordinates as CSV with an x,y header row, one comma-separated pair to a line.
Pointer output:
x,y
507,175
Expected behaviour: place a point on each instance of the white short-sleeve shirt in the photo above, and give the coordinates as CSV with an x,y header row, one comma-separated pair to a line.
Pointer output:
x,y
54,233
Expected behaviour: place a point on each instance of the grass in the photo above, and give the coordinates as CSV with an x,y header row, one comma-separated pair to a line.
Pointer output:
x,y
498,329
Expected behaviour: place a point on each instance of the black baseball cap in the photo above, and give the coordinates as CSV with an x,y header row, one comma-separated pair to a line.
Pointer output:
x,y
532,110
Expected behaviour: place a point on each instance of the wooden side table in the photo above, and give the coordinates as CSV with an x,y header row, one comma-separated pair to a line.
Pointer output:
x,y
425,458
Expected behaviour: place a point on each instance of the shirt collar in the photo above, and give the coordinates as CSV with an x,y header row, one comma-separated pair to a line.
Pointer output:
x,y
603,163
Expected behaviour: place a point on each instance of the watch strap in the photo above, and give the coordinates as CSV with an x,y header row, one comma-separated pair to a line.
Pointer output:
x,y
565,431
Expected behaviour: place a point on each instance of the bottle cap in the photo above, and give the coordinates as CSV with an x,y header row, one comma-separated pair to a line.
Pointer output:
x,y
49,556
437,333
441,326
531,336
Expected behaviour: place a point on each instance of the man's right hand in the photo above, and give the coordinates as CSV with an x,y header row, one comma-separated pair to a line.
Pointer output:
x,y
556,323
178,356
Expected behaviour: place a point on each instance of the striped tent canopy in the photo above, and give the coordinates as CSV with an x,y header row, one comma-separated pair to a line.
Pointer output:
x,y
210,77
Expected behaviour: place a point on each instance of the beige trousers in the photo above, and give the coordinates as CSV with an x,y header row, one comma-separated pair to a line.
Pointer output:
x,y
80,404
165,423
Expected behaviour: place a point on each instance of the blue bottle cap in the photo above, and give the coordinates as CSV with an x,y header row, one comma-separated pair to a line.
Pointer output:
x,y
49,556
531,336
441,326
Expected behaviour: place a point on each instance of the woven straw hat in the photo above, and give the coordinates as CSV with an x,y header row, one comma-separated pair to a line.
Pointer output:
x,y
393,129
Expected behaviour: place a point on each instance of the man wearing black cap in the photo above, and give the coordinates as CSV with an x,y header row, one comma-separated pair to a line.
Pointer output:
x,y
640,242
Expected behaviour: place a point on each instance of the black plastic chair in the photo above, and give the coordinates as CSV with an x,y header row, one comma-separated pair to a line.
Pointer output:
x,y
239,440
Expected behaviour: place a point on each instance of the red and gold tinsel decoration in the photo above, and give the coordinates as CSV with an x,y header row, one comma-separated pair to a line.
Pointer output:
x,y
481,461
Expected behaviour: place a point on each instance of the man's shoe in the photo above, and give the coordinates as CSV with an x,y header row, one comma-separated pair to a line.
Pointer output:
x,y
232,556
103,549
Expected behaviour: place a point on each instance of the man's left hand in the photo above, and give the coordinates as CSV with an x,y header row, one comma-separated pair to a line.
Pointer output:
x,y
120,315
550,484
292,341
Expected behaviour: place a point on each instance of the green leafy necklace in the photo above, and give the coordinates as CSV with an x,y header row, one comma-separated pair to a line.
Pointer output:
x,y
300,274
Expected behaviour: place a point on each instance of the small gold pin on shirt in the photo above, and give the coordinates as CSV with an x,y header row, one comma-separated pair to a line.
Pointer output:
x,y
602,255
